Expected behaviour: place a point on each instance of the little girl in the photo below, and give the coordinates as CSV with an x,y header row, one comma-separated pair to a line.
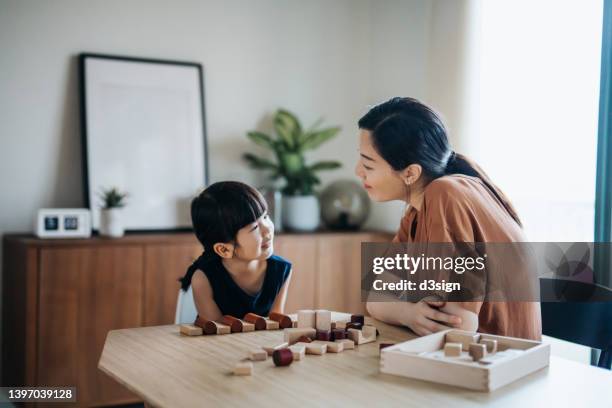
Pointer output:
x,y
237,273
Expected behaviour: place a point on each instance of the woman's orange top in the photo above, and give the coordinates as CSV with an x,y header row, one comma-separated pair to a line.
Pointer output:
x,y
460,208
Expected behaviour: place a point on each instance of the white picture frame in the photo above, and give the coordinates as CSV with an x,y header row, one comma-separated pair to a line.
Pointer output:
x,y
143,132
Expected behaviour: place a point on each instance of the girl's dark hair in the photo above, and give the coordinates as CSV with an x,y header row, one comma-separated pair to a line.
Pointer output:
x,y
406,131
218,213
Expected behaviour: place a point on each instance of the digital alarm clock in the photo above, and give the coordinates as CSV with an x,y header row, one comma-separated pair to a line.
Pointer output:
x,y
63,223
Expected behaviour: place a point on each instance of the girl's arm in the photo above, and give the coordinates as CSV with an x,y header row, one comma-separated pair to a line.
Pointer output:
x,y
203,297
279,303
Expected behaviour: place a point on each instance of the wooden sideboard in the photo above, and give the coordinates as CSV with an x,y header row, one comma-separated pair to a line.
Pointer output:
x,y
61,297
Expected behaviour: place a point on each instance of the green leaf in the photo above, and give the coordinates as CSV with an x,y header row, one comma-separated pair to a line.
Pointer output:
x,y
261,139
314,140
288,128
325,165
259,163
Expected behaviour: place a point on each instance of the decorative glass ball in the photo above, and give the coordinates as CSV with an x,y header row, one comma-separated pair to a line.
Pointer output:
x,y
344,205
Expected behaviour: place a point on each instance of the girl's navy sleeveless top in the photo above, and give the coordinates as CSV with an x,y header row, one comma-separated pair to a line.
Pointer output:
x,y
234,301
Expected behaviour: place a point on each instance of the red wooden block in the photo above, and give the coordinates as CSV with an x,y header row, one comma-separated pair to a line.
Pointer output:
x,y
258,321
283,320
282,357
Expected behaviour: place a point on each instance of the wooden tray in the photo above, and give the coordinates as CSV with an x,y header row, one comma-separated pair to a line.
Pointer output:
x,y
420,359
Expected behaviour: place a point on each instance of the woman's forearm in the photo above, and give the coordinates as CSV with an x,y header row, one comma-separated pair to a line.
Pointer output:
x,y
390,312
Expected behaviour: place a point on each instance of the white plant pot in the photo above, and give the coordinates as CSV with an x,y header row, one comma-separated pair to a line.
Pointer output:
x,y
111,224
301,213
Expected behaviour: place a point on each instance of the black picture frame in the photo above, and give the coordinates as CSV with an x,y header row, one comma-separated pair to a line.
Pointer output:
x,y
88,192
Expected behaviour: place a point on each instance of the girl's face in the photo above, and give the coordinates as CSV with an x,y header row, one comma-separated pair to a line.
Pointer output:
x,y
255,240
379,179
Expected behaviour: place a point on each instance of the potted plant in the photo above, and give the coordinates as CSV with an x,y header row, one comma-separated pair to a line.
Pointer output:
x,y
300,204
111,224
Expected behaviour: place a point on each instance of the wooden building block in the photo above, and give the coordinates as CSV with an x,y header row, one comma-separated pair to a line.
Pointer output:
x,y
283,320
452,349
332,346
282,357
306,318
491,345
304,339
369,332
299,351
292,335
478,351
465,338
323,320
270,349
315,348
347,344
357,319
234,323
272,325
247,327
358,337
222,328
341,325
258,321
191,330
294,324
258,354
243,368
211,327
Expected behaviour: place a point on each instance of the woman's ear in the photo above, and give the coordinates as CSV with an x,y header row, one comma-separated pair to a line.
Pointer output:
x,y
412,174
224,250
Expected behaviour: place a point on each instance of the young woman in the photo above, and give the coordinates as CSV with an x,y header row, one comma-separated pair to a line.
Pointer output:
x,y
405,155
237,273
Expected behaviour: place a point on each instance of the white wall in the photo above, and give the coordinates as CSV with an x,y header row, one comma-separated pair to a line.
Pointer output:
x,y
318,57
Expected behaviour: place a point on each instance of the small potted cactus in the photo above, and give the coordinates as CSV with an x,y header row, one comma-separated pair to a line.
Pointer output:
x,y
111,224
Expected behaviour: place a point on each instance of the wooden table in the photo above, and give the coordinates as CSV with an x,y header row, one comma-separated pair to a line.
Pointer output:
x,y
170,370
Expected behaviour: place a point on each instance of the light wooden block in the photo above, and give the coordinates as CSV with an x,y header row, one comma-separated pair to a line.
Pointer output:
x,y
292,335
247,327
332,346
223,328
340,325
369,332
299,351
270,349
323,320
452,349
347,344
314,348
306,318
491,345
463,337
243,368
358,337
478,351
191,330
258,354
272,325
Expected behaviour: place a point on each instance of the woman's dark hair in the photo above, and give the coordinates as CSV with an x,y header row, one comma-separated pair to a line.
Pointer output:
x,y
218,213
406,131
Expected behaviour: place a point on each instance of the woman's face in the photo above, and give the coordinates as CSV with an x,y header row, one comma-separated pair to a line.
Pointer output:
x,y
255,240
379,179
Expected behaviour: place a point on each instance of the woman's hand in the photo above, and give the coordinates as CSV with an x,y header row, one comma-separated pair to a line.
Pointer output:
x,y
424,318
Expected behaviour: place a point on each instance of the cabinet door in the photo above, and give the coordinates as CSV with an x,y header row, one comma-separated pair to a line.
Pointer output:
x,y
301,251
84,293
164,265
339,282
